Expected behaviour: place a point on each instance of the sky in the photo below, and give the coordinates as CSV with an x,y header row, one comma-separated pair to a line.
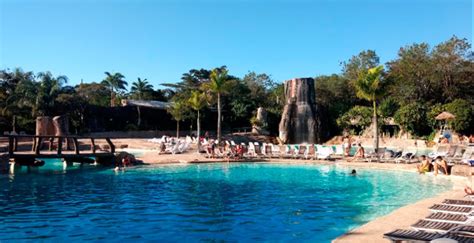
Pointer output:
x,y
161,40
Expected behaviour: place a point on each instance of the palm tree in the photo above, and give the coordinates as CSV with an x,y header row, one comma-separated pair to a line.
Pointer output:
x,y
197,102
114,82
177,111
139,89
219,85
369,87
49,88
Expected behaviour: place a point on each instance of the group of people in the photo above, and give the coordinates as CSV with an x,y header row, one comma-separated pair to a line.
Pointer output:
x,y
437,164
225,150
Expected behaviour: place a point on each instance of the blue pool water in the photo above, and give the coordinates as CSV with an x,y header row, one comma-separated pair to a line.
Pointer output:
x,y
207,202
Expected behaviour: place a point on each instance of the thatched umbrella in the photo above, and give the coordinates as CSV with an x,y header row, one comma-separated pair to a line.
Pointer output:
x,y
445,116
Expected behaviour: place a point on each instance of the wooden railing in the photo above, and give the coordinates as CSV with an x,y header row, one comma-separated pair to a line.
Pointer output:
x,y
38,140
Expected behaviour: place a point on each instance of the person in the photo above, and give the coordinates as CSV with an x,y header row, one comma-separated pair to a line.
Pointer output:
x,y
353,172
206,135
346,143
468,190
440,162
162,148
424,166
360,153
126,161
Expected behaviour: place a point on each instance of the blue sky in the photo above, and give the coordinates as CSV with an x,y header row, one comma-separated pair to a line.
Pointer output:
x,y
161,40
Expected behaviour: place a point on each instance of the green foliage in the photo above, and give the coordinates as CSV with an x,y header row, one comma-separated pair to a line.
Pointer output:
x,y
369,85
464,113
388,107
413,118
360,63
356,119
141,89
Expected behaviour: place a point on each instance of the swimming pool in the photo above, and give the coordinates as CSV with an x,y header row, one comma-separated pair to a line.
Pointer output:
x,y
205,202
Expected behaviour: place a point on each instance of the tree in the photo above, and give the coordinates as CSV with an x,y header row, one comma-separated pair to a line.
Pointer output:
x,y
464,112
356,119
219,84
178,112
197,102
362,62
48,91
369,86
413,118
115,83
141,89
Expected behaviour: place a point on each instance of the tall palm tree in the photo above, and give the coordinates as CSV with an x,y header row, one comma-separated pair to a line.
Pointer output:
x,y
114,82
219,84
139,89
197,102
369,87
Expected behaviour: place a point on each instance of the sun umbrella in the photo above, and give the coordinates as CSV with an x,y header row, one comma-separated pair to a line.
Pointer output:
x,y
445,116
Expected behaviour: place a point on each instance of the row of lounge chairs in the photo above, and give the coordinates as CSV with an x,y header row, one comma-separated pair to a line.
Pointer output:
x,y
269,150
454,154
452,219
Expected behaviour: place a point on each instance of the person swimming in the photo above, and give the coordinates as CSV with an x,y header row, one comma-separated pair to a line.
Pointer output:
x,y
353,172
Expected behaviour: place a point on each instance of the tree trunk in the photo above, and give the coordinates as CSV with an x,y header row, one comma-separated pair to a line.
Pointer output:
x,y
219,117
177,129
139,117
112,98
198,133
376,128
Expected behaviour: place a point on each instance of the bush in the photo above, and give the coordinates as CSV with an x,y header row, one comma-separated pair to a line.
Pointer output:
x,y
412,118
388,107
356,119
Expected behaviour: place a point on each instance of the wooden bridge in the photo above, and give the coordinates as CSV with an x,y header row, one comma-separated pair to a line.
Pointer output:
x,y
26,149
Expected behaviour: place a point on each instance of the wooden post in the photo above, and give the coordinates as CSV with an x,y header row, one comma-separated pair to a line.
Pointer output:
x,y
10,146
38,145
60,145
93,145
112,146
51,143
15,144
76,145
33,148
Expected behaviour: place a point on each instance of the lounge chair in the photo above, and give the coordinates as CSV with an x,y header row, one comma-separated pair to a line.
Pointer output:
x,y
267,149
441,150
289,151
338,151
460,234
251,150
258,149
310,152
376,156
323,152
300,153
444,208
275,151
428,225
407,156
459,203
448,218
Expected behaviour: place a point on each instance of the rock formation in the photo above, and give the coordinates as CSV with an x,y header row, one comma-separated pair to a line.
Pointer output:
x,y
299,123
261,122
